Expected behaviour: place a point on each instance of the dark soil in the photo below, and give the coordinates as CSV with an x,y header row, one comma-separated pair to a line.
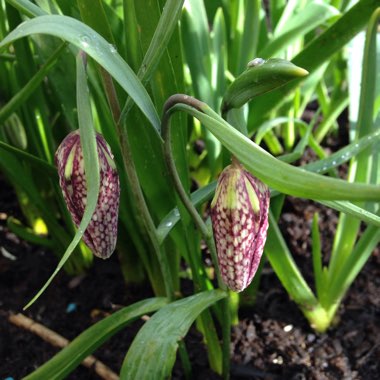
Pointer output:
x,y
272,340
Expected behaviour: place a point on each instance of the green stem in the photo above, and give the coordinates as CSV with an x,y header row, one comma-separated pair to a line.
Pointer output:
x,y
185,360
168,154
143,216
226,336
207,235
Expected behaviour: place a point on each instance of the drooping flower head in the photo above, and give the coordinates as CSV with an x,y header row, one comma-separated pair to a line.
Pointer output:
x,y
101,233
239,215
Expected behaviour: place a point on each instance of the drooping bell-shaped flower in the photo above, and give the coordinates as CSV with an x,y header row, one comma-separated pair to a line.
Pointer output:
x,y
239,215
101,233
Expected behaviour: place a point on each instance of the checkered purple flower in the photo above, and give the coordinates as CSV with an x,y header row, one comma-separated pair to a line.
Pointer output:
x,y
101,233
239,214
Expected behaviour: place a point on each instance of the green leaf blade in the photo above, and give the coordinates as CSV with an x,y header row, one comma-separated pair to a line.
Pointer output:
x,y
94,45
283,177
318,52
91,167
152,353
88,341
314,14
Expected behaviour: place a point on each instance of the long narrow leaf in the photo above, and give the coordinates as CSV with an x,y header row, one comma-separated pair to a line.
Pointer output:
x,y
318,52
62,364
314,14
352,266
317,256
322,166
28,89
353,210
152,353
165,28
360,168
286,269
279,175
91,167
27,8
94,45
27,157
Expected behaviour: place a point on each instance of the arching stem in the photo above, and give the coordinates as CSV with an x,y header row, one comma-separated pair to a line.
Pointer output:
x,y
201,225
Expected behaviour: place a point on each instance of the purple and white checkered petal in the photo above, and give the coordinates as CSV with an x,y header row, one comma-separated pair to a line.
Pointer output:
x,y
101,233
239,215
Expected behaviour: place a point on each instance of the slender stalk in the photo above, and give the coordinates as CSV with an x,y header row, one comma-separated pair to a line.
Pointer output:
x,y
226,336
168,154
143,217
185,360
206,233
111,94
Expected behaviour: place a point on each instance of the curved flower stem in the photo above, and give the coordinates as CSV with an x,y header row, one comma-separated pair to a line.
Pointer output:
x,y
207,235
168,154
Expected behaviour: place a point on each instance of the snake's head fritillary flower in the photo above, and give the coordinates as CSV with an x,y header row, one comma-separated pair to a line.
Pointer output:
x,y
101,233
239,215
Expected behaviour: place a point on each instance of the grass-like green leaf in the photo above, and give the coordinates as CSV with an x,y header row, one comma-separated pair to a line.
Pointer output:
x,y
360,169
158,43
27,157
291,278
12,167
353,264
153,351
344,154
219,58
300,23
164,30
286,269
283,177
94,45
322,166
318,52
28,234
198,51
317,255
337,106
173,217
197,48
27,8
272,123
28,89
91,167
62,364
353,210
247,33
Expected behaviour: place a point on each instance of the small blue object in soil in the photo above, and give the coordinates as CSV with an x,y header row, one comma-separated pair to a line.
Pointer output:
x,y
9,378
71,307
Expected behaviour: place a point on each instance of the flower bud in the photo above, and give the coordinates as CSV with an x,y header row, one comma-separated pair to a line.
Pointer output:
x,y
239,215
101,233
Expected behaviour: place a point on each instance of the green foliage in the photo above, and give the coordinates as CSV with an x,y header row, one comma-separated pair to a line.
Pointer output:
x,y
87,342
224,53
152,353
